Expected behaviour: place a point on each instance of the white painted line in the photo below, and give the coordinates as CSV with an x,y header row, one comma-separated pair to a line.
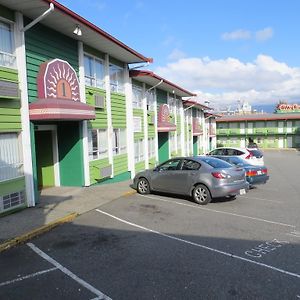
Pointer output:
x,y
261,199
67,272
201,246
218,211
27,276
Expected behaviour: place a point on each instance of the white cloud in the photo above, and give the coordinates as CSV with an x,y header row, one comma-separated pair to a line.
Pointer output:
x,y
264,34
239,34
224,81
176,54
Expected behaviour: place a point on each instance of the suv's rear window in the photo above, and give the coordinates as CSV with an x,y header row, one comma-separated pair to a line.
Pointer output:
x,y
216,163
256,153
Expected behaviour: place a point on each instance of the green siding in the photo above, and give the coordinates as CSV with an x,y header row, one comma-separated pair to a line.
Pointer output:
x,y
10,115
101,114
120,164
43,44
163,146
6,13
152,163
137,83
95,167
139,113
70,154
140,166
118,110
12,186
195,146
151,127
93,51
178,124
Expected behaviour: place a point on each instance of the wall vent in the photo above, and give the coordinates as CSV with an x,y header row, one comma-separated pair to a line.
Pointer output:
x,y
12,200
106,171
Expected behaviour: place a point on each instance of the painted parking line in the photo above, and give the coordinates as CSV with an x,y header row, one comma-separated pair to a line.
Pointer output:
x,y
219,211
32,275
68,272
261,199
282,271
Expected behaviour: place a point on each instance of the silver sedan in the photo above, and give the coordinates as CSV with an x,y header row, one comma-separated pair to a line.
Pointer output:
x,y
201,177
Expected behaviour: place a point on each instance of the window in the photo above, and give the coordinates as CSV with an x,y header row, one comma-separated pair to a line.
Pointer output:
x,y
150,95
11,165
151,147
94,71
170,165
97,139
190,165
119,141
7,57
137,97
233,125
138,151
178,141
116,76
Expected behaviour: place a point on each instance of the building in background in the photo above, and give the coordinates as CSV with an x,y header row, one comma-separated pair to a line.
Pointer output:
x,y
277,130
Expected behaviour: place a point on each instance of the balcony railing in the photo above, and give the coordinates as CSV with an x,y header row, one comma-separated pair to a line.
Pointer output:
x,y
8,60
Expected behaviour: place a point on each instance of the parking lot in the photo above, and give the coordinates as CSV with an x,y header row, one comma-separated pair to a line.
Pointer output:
x,y
167,247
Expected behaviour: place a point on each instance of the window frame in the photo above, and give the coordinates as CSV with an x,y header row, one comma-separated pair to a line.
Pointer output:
x,y
139,155
137,99
9,56
151,147
101,154
116,86
93,79
118,147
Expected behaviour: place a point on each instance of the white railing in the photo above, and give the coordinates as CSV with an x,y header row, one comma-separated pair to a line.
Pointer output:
x,y
8,60
11,171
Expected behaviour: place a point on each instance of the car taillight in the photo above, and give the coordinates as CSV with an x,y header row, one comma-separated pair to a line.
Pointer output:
x,y
251,173
264,171
220,175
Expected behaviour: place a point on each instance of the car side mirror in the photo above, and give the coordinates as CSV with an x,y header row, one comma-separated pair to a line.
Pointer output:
x,y
156,169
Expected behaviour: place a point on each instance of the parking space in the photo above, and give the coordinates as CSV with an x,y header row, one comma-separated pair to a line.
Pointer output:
x,y
166,247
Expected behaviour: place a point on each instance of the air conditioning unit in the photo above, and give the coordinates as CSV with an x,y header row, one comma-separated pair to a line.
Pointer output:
x,y
99,101
106,171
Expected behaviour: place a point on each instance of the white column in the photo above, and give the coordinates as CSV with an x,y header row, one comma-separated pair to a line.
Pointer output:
x,y
182,135
85,144
108,112
25,134
146,144
155,127
129,121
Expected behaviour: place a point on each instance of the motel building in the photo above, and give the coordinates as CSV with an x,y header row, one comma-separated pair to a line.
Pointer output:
x,y
71,111
277,130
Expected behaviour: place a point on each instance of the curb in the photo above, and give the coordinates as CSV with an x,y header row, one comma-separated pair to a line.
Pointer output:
x,y
31,234
129,193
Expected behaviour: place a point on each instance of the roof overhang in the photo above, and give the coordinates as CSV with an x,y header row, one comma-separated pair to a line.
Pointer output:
x,y
153,79
260,117
64,21
193,102
165,127
60,110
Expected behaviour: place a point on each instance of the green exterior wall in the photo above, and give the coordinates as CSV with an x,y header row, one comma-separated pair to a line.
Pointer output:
x,y
101,114
140,166
118,110
120,164
151,126
10,115
163,146
95,167
70,154
94,52
43,44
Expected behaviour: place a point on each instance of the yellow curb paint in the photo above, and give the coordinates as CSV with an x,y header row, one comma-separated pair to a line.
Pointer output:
x,y
129,193
31,234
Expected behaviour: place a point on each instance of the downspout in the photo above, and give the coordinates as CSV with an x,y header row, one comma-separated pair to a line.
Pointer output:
x,y
153,87
38,19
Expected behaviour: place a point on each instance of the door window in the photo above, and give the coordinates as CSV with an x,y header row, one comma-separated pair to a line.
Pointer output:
x,y
170,165
190,165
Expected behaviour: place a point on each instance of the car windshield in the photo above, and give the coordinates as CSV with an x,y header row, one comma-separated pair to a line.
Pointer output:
x,y
216,163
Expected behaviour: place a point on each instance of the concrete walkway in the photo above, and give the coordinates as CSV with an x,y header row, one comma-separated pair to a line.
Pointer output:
x,y
57,205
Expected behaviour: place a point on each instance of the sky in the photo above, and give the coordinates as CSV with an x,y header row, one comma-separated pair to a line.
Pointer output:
x,y
224,51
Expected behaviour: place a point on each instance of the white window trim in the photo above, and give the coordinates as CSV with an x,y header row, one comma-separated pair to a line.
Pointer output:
x,y
94,78
116,87
137,102
140,156
104,153
119,149
12,55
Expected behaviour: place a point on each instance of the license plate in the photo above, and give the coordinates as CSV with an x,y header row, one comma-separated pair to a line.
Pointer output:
x,y
259,173
242,192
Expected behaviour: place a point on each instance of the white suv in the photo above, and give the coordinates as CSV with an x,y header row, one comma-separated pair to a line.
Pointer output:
x,y
252,155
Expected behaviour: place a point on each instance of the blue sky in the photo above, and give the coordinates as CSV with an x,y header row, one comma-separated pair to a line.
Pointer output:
x,y
223,50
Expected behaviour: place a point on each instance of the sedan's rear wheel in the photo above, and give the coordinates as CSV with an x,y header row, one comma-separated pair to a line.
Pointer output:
x,y
201,194
143,186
